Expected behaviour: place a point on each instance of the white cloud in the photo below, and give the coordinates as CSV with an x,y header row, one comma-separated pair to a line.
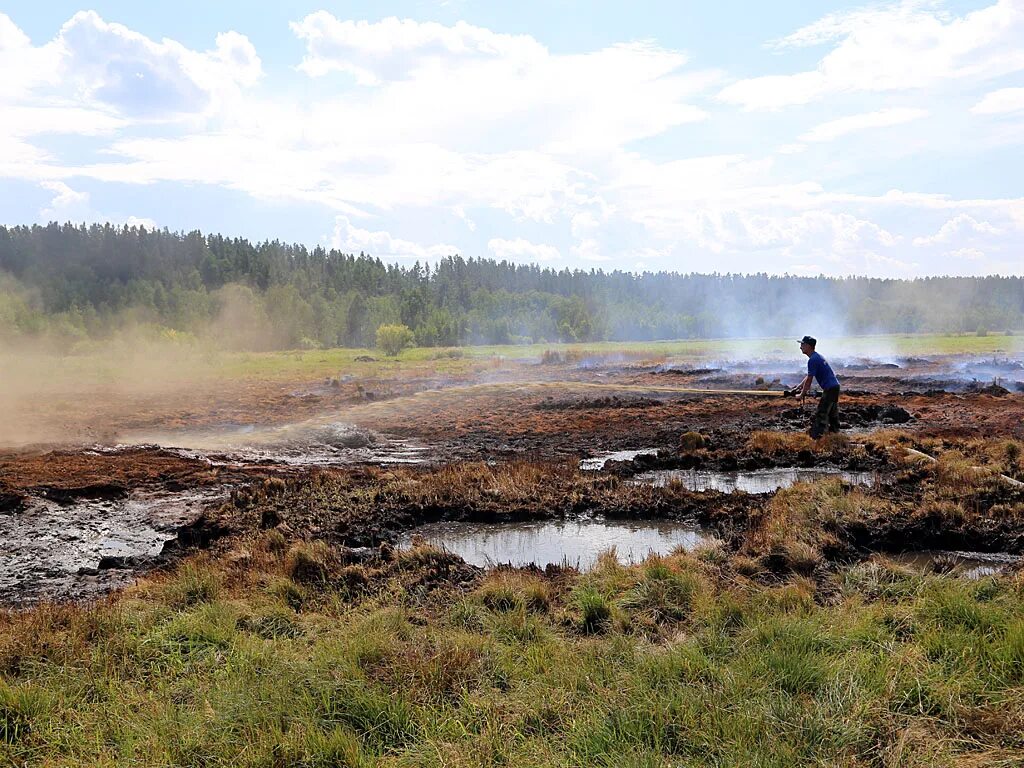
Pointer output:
x,y
19,159
113,65
959,226
93,65
23,66
35,120
460,212
528,185
806,269
589,249
828,234
891,48
582,222
998,102
967,254
140,221
65,200
843,126
522,250
382,245
461,85
890,264
393,48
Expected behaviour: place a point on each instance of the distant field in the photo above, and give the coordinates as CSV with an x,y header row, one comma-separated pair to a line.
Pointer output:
x,y
330,361
170,364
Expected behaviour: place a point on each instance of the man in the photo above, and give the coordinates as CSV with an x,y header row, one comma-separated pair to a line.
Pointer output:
x,y
826,418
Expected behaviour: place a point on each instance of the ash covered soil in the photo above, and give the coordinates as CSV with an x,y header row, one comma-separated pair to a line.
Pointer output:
x,y
359,462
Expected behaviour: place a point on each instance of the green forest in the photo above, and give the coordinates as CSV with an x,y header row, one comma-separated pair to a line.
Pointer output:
x,y
73,283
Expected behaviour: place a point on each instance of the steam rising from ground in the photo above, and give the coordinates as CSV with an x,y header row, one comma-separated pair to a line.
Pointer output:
x,y
161,386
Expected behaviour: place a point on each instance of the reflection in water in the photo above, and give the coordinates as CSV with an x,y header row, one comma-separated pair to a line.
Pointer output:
x,y
754,481
597,462
970,565
570,542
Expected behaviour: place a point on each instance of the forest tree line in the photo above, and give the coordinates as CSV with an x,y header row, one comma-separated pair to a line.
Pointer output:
x,y
76,282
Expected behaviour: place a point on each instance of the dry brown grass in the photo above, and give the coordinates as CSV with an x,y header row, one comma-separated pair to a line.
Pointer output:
x,y
803,524
505,590
779,443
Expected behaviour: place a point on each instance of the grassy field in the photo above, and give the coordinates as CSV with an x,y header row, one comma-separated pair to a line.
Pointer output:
x,y
279,653
144,364
273,654
325,361
662,664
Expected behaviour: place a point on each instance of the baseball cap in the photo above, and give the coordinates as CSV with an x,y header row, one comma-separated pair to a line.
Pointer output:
x,y
809,340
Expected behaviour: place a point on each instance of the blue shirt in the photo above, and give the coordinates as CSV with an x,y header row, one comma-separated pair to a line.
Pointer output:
x,y
818,367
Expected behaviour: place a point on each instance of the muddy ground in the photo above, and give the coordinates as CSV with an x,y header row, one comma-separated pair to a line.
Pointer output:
x,y
356,463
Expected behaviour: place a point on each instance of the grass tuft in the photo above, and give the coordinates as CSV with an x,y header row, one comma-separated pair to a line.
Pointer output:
x,y
194,583
307,563
593,608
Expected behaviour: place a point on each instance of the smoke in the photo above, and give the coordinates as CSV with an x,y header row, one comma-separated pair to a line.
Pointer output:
x,y
48,396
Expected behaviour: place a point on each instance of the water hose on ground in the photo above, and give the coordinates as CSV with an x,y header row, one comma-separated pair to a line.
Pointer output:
x,y
922,455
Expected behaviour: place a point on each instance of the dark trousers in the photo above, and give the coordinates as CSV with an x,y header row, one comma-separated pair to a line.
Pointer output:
x,y
826,418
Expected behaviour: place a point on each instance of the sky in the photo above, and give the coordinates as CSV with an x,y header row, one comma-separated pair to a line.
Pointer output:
x,y
786,137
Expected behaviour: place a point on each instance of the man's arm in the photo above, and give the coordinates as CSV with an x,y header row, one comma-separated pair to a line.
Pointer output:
x,y
805,385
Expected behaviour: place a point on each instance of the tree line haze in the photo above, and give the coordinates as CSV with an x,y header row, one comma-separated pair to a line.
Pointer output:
x,y
74,283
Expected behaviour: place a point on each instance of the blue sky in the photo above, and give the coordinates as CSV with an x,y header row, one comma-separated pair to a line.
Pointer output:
x,y
798,138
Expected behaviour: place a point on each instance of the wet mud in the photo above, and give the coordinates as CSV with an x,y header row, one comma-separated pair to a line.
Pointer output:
x,y
360,463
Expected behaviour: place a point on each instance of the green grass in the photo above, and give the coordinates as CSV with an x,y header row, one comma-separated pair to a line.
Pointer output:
x,y
654,665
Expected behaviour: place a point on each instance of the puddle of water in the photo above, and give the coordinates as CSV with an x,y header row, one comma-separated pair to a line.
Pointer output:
x,y
598,462
46,545
969,565
563,542
754,481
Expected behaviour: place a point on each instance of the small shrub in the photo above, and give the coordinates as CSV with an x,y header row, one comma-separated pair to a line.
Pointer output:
x,y
452,353
393,338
